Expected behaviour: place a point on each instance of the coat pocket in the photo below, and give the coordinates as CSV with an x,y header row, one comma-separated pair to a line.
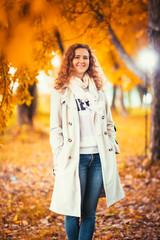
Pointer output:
x,y
59,158
113,146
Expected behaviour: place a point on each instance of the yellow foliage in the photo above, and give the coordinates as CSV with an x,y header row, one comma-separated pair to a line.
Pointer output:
x,y
27,39
2,40
19,48
3,14
37,6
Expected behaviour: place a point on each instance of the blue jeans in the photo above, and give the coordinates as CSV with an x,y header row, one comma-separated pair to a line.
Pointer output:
x,y
90,173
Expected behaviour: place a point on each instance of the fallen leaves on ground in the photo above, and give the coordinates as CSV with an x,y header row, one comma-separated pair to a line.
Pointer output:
x,y
27,183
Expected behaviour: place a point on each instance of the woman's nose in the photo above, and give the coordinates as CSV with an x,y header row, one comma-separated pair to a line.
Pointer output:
x,y
81,60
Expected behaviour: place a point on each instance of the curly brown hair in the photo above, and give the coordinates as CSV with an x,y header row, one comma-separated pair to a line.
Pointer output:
x,y
66,69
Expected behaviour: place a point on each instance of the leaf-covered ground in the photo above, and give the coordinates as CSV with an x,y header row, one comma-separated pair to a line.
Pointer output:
x,y
27,182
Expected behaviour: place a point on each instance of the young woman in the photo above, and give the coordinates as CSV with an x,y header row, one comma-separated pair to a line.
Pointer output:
x,y
83,143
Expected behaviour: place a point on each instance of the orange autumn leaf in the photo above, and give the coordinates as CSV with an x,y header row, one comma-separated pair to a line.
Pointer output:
x,y
138,216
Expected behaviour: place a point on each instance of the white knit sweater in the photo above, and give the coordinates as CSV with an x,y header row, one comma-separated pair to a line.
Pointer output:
x,y
88,144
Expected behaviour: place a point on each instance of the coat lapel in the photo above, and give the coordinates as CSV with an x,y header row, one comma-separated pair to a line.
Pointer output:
x,y
68,97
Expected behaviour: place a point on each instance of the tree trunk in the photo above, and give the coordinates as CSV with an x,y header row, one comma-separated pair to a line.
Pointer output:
x,y
26,113
155,118
114,97
122,106
154,40
142,91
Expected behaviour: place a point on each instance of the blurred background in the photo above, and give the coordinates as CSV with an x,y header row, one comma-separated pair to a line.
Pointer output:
x,y
124,37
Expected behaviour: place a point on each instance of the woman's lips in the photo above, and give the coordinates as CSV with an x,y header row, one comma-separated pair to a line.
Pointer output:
x,y
81,66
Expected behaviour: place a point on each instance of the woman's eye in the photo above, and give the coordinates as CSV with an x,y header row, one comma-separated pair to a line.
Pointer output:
x,y
78,57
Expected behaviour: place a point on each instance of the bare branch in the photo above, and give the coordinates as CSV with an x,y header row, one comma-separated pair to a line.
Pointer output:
x,y
81,34
130,63
59,41
5,83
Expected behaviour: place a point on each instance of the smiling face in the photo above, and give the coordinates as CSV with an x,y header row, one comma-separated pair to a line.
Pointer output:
x,y
81,62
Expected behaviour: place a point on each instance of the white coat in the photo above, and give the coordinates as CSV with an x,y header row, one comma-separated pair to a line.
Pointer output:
x,y
65,144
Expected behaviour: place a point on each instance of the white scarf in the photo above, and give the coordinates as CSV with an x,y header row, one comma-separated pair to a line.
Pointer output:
x,y
78,87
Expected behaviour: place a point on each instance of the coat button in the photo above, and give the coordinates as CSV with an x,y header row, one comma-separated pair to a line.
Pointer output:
x,y
70,123
69,157
110,149
69,140
53,171
105,133
102,117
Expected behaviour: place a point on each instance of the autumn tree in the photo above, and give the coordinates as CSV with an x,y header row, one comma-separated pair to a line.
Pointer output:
x,y
26,112
26,43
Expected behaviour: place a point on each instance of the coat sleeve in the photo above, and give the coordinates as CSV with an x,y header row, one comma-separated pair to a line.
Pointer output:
x,y
56,136
111,127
